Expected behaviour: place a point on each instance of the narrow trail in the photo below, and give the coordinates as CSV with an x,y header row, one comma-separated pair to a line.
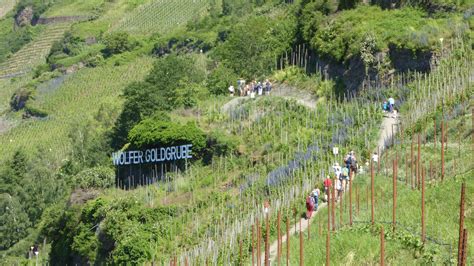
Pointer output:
x,y
388,127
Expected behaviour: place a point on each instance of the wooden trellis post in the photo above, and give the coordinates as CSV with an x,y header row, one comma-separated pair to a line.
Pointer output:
x,y
423,227
373,192
461,221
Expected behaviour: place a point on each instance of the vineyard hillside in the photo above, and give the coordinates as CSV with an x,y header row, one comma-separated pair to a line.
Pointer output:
x,y
193,132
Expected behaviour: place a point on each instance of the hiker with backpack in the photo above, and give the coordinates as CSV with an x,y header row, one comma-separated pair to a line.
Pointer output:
x,y
315,193
338,183
309,206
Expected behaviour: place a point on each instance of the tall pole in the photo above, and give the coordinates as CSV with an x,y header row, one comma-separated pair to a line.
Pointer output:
x,y
288,241
301,245
279,238
372,190
461,220
328,236
382,247
267,240
418,160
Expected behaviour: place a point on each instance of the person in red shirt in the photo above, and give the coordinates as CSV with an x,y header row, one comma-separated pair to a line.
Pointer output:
x,y
327,185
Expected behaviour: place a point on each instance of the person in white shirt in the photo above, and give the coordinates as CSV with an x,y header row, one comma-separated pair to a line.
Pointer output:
x,y
231,90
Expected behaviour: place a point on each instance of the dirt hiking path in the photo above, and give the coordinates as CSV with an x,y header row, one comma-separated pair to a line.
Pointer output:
x,y
385,136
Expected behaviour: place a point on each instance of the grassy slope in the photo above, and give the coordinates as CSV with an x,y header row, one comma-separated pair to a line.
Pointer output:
x,y
442,212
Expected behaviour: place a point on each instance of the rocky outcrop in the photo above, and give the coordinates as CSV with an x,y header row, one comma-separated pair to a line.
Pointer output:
x,y
24,17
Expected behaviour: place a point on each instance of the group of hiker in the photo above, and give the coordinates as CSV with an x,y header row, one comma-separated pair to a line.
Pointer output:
x,y
341,177
251,89
389,105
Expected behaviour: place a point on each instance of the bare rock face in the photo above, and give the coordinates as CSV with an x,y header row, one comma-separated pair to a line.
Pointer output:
x,y
24,17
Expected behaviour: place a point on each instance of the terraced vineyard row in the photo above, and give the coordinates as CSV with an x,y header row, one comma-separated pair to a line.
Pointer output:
x,y
33,53
160,16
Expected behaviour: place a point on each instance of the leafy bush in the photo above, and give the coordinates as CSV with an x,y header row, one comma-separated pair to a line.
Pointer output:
x,y
253,45
20,98
220,79
117,43
97,177
154,132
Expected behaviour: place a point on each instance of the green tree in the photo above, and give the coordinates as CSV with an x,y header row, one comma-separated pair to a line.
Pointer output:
x,y
14,221
117,43
220,79
253,46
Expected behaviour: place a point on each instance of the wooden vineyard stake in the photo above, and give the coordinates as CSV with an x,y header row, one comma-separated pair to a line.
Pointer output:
x,y
382,247
461,221
434,134
418,160
288,241
394,211
267,240
350,201
442,150
423,226
328,236
301,245
372,192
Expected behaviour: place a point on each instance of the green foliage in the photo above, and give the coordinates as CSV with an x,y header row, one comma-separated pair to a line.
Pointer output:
x,y
253,45
295,77
39,6
69,45
342,36
97,177
220,79
313,14
171,82
154,132
117,43
14,221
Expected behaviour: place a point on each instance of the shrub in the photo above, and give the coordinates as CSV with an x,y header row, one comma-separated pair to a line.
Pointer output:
x,y
97,177
154,132
117,43
220,79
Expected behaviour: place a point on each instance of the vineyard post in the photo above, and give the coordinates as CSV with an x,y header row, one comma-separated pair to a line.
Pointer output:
x,y
423,227
442,150
461,220
372,191
418,160
288,241
382,247
328,237
301,245
350,201
267,239
394,195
